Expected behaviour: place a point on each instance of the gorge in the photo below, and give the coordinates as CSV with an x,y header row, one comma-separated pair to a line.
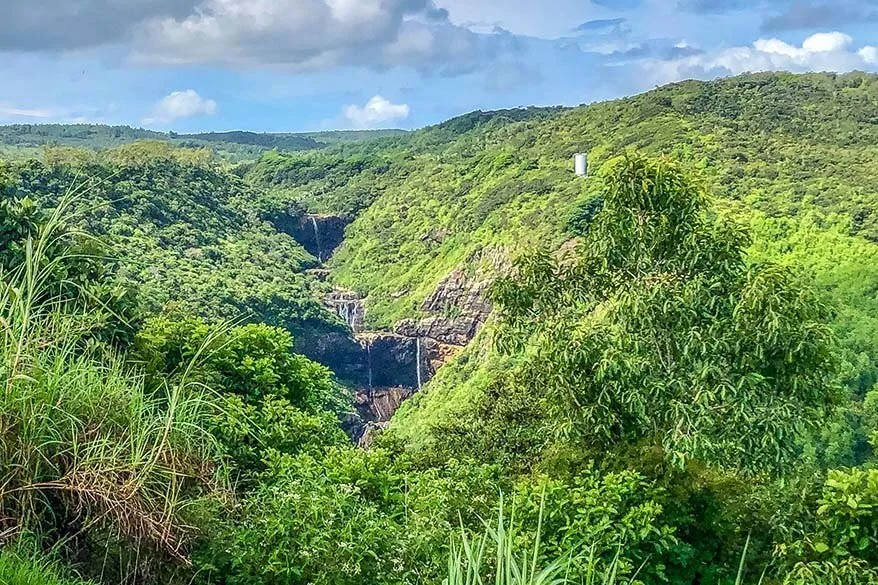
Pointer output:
x,y
384,368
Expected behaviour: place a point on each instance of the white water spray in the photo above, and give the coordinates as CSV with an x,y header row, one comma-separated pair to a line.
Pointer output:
x,y
317,238
418,360
369,360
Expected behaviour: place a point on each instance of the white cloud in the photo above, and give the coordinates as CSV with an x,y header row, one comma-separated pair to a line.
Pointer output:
x,y
7,111
826,42
178,105
309,35
869,54
832,51
377,111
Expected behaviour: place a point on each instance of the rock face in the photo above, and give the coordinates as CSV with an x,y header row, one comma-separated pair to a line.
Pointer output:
x,y
349,306
458,309
386,368
319,234
394,360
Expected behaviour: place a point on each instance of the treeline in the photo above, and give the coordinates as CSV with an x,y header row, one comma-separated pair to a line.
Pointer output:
x,y
651,404
233,146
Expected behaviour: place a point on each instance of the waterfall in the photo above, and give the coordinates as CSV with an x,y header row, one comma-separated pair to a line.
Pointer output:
x,y
369,360
346,314
317,238
418,360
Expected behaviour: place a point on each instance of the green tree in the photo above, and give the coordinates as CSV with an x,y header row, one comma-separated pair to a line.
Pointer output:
x,y
657,332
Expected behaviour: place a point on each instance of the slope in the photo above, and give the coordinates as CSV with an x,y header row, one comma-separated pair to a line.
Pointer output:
x,y
185,233
793,156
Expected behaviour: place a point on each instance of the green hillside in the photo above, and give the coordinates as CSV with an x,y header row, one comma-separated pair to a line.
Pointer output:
x,y
24,140
793,156
677,384
185,232
784,145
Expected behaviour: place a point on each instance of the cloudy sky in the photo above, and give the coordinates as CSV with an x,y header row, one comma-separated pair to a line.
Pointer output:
x,y
289,65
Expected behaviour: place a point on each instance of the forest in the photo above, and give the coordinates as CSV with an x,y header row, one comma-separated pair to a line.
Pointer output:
x,y
22,141
665,372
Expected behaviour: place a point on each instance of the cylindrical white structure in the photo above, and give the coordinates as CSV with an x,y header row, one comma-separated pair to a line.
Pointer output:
x,y
580,165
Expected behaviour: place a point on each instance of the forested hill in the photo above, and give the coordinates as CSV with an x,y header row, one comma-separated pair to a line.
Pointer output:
x,y
788,151
665,372
795,157
22,140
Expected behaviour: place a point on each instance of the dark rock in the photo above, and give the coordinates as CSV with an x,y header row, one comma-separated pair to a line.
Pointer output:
x,y
340,352
396,361
349,306
379,404
319,234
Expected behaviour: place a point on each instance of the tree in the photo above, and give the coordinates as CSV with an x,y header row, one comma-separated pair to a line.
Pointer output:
x,y
657,333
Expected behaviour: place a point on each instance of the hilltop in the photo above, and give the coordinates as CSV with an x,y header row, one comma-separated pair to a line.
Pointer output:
x,y
792,157
23,140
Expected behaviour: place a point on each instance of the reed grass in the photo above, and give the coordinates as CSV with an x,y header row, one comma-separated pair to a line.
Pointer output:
x,y
469,560
82,441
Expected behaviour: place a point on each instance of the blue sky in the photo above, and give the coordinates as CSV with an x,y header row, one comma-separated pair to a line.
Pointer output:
x,y
298,65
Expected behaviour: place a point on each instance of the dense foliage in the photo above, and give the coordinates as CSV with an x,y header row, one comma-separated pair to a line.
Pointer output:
x,y
184,231
656,330
677,385
22,140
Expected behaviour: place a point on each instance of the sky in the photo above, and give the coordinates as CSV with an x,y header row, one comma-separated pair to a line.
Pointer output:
x,y
308,65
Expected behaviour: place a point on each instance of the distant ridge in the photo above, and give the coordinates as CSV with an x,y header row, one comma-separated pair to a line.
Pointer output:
x,y
233,145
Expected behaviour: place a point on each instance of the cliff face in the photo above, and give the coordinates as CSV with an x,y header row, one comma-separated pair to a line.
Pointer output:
x,y
457,310
319,234
399,364
386,368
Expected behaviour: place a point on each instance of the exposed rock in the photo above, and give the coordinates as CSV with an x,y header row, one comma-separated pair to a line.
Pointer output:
x,y
379,404
373,409
459,291
459,309
388,368
342,353
319,234
394,360
348,305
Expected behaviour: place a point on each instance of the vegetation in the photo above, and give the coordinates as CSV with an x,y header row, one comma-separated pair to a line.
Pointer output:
x,y
184,232
677,384
27,139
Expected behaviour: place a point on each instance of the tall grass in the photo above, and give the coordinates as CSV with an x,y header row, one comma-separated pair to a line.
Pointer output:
x,y
23,570
82,442
468,560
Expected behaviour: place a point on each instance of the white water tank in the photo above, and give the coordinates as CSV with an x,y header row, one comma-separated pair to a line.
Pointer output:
x,y
580,165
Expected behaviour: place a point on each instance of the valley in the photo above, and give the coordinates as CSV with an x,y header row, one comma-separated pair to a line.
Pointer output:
x,y
335,359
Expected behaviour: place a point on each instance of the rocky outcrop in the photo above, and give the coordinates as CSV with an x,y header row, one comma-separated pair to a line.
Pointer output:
x,y
386,368
349,306
320,234
458,309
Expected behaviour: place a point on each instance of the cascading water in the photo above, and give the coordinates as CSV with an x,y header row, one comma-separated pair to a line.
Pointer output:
x,y
369,360
418,360
317,238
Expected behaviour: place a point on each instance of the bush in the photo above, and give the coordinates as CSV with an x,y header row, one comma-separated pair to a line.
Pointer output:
x,y
86,450
20,570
